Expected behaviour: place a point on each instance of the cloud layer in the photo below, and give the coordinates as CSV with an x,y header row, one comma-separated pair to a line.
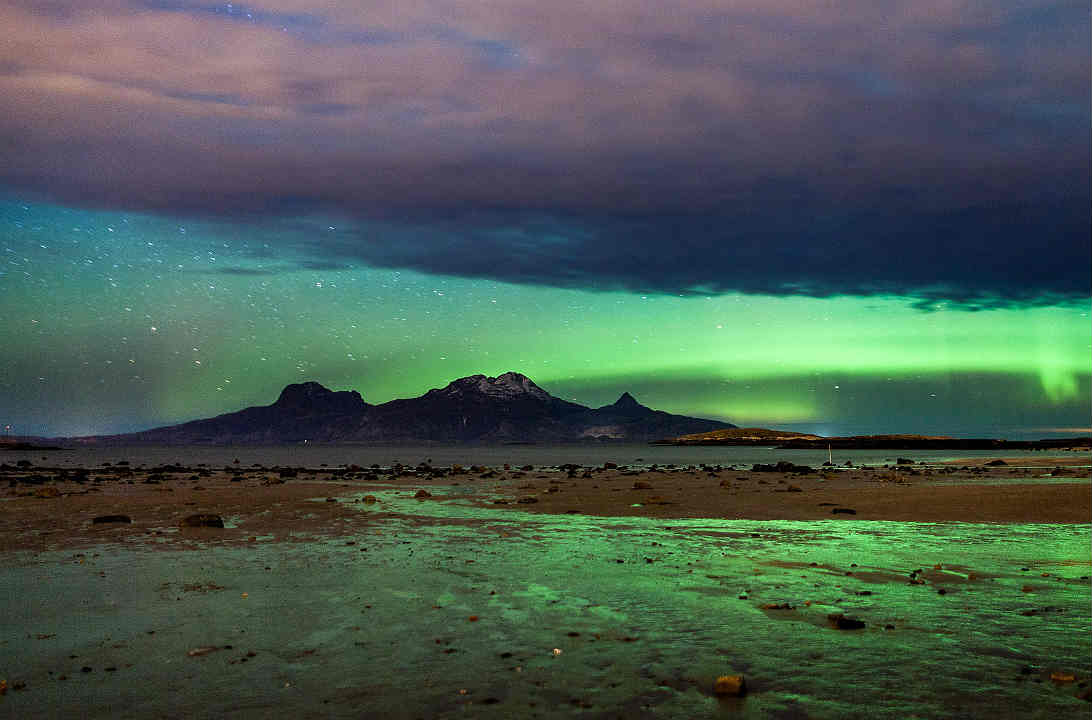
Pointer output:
x,y
935,149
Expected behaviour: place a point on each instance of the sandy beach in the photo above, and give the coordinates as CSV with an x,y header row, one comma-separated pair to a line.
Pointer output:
x,y
43,509
545,592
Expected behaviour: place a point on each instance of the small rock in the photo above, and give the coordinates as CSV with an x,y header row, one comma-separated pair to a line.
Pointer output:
x,y
996,463
642,485
422,494
730,686
111,519
843,511
203,520
201,651
370,499
527,500
841,622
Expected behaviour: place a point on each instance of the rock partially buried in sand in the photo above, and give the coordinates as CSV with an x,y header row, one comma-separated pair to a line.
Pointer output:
x,y
370,499
843,511
203,520
111,519
730,686
841,622
642,485
202,651
423,494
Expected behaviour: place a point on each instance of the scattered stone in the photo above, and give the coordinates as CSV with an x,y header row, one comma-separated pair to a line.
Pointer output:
x,y
203,520
730,686
782,467
201,651
841,622
111,519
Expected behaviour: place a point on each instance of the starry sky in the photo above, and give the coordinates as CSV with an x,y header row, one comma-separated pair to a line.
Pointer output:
x,y
844,217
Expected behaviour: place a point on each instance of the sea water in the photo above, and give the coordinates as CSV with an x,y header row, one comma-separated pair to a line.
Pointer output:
x,y
633,455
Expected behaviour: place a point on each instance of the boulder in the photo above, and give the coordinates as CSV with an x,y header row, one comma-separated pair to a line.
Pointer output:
x,y
730,686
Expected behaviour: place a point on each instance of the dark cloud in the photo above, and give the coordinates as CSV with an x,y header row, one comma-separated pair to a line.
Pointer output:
x,y
972,258
931,149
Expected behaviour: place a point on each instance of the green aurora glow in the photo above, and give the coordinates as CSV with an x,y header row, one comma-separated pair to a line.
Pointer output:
x,y
119,321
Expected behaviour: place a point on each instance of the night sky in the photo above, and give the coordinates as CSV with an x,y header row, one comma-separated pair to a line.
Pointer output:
x,y
850,217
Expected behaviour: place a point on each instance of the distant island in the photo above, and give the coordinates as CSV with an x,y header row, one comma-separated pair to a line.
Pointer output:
x,y
509,408
802,441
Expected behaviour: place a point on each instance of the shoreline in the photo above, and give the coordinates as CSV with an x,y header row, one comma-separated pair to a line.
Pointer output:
x,y
46,508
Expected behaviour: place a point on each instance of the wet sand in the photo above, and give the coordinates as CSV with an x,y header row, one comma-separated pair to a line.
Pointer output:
x,y
45,508
312,602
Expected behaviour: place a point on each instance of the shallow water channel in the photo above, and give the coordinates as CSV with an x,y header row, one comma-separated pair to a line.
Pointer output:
x,y
441,609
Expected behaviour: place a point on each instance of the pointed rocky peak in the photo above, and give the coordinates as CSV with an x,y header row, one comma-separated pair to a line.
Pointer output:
x,y
627,402
312,396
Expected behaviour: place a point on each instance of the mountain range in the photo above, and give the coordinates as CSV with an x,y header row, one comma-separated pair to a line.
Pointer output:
x,y
509,408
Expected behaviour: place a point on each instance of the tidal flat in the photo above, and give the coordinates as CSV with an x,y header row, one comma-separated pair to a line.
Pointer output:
x,y
349,592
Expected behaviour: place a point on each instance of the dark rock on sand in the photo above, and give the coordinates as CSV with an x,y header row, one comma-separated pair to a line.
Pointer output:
x,y
782,467
843,511
203,520
841,622
111,519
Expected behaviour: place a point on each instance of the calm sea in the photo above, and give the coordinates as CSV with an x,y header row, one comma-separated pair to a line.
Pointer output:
x,y
537,455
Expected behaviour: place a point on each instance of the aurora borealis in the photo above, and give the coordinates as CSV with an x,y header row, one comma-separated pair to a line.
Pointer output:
x,y
862,218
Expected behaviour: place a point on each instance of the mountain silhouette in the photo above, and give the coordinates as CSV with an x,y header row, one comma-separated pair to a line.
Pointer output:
x,y
475,409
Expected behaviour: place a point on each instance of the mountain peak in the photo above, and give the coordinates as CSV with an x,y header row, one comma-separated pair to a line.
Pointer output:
x,y
626,401
315,396
507,385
